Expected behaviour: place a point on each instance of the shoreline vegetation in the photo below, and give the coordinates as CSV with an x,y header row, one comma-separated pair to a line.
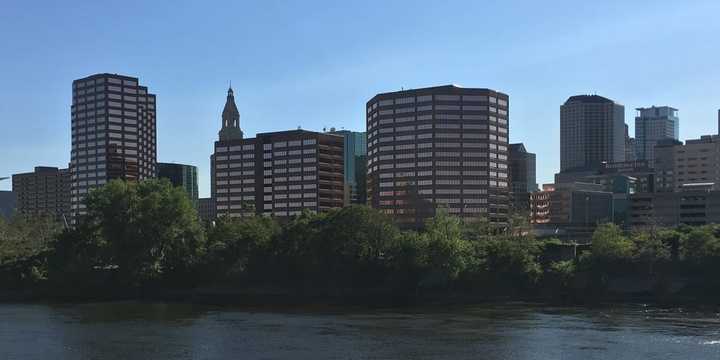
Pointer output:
x,y
144,241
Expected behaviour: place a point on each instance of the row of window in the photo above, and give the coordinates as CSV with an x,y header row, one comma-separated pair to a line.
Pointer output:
x,y
438,97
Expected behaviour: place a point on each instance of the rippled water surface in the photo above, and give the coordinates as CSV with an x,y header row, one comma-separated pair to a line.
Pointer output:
x,y
132,330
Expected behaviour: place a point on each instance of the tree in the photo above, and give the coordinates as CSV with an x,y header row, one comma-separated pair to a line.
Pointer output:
x,y
610,244
447,253
147,231
236,244
700,244
25,242
649,248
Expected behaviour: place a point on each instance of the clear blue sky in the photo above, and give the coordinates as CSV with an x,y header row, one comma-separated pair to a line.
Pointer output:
x,y
315,64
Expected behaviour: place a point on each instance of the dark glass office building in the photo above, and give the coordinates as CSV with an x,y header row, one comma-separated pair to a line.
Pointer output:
x,y
355,160
181,175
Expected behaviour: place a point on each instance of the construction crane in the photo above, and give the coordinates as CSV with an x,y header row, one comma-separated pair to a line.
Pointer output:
x,y
4,178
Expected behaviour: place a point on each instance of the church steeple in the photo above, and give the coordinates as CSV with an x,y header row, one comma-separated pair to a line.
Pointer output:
x,y
230,119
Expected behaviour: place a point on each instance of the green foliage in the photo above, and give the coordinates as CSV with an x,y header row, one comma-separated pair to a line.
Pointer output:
x,y
447,253
649,247
701,244
564,271
234,242
610,244
25,242
147,231
24,237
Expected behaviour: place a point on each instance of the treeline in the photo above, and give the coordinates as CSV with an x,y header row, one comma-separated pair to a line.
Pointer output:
x,y
147,236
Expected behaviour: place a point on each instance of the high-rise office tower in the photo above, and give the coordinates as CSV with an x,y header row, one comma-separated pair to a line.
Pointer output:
x,y
652,125
45,191
279,174
113,133
355,160
522,176
181,175
592,132
438,147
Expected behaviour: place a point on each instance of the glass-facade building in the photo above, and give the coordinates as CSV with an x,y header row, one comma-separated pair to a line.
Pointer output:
x,y
181,175
355,158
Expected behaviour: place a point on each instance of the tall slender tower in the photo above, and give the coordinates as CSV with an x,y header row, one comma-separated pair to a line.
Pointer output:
x,y
113,134
230,119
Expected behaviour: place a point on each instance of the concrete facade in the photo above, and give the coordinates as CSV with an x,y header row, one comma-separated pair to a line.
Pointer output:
x,y
43,192
113,133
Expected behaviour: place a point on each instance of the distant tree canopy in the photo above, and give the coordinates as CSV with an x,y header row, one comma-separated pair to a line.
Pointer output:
x,y
148,234
147,231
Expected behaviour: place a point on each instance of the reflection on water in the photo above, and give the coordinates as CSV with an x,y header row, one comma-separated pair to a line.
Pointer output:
x,y
133,330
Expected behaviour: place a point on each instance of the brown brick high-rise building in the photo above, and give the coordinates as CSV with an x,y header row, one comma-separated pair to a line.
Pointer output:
x,y
113,133
279,173
45,191
438,147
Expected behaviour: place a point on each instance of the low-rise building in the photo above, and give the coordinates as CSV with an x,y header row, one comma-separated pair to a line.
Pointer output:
x,y
572,210
694,205
43,192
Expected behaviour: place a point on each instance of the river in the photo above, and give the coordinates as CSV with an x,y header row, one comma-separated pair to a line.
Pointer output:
x,y
136,330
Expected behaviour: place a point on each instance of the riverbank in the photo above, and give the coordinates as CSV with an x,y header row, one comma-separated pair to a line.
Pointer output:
x,y
685,297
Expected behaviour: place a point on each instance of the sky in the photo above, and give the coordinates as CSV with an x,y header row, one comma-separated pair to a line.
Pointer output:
x,y
315,64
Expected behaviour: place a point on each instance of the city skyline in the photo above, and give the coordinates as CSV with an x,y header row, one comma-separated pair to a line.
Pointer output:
x,y
275,94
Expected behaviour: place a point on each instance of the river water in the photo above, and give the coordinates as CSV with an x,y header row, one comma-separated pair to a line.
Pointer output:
x,y
132,330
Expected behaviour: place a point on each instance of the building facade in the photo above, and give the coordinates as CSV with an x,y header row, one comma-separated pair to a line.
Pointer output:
x,y
113,133
678,165
279,174
438,147
522,176
355,162
181,175
630,145
670,209
592,131
206,209
652,125
43,192
570,211
664,165
574,203
8,202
